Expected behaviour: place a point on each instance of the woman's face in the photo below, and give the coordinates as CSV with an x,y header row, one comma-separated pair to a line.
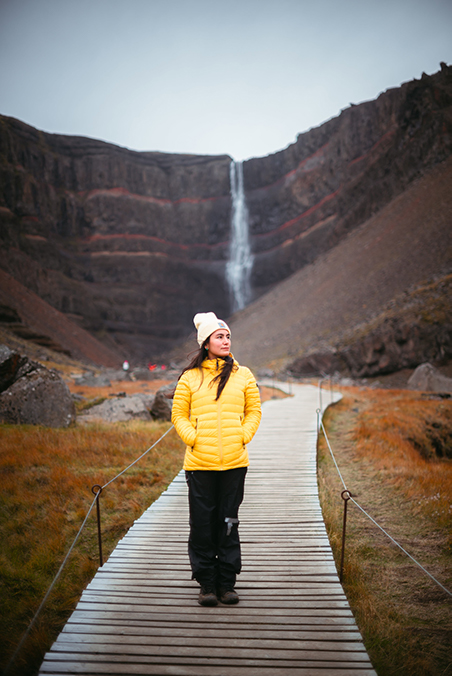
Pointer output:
x,y
219,344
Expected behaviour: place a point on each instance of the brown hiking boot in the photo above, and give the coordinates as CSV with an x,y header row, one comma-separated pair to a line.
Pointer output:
x,y
207,597
229,596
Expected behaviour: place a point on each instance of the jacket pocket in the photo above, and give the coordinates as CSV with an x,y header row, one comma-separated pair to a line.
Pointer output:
x,y
243,431
196,434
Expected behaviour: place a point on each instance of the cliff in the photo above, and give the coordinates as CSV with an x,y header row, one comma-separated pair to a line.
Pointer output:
x,y
305,199
130,245
377,302
126,244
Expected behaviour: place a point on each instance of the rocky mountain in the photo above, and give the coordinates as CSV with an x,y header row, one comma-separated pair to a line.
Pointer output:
x,y
126,244
130,245
305,199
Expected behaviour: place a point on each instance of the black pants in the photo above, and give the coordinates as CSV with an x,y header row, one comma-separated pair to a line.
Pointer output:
x,y
214,544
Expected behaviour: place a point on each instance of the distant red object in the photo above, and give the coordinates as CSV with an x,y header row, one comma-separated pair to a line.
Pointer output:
x,y
152,367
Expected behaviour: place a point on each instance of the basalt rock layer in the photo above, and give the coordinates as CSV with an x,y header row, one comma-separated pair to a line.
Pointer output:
x,y
130,245
305,199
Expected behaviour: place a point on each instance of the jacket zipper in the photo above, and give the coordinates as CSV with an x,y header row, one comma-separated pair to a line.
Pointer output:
x,y
220,440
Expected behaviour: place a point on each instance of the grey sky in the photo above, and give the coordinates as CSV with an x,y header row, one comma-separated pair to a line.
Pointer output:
x,y
241,77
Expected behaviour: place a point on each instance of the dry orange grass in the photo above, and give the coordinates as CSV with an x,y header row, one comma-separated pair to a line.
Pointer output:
x,y
46,477
390,447
409,439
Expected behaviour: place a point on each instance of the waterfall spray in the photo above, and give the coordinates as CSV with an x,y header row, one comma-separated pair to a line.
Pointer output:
x,y
238,268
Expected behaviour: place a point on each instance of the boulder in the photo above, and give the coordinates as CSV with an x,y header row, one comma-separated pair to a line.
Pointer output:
x,y
427,378
91,380
163,402
118,409
31,394
147,398
143,374
117,374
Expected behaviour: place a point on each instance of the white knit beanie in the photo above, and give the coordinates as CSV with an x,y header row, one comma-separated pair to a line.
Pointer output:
x,y
206,323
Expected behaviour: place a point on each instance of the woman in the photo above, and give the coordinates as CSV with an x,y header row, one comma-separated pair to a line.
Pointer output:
x,y
216,411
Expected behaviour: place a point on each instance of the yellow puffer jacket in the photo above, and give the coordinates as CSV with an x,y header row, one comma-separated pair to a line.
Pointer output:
x,y
216,431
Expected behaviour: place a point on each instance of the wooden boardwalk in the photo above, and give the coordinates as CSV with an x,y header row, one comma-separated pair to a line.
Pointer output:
x,y
140,615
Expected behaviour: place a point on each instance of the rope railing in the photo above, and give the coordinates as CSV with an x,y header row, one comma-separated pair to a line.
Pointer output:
x,y
101,488
346,495
141,456
321,381
60,570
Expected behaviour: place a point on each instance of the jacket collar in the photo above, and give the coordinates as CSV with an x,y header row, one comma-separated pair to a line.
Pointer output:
x,y
214,366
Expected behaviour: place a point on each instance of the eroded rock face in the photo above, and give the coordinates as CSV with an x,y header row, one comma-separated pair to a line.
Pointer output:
x,y
412,329
389,348
397,345
132,245
32,394
317,364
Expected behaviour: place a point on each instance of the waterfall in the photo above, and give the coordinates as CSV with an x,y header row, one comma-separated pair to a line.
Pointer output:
x,y
238,268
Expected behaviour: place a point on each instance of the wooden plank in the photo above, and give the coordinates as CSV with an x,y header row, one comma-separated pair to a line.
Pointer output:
x,y
326,623
153,606
224,652
162,653
139,614
277,576
158,669
218,633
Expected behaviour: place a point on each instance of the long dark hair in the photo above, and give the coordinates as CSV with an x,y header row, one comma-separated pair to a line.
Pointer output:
x,y
222,378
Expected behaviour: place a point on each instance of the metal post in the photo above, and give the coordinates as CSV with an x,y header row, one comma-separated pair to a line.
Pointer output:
x,y
320,395
345,495
99,534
